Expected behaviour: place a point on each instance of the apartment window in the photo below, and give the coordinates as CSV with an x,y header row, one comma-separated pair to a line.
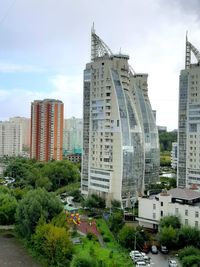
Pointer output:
x,y
161,213
161,203
196,214
196,224
186,221
154,206
154,215
186,212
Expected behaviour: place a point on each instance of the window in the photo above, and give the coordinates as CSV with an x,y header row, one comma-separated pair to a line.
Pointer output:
x,y
154,215
196,224
161,203
186,212
186,221
196,214
154,206
161,213
176,210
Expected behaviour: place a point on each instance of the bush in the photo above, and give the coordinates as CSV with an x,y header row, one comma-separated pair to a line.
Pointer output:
x,y
8,205
83,261
106,239
187,251
192,260
53,243
91,236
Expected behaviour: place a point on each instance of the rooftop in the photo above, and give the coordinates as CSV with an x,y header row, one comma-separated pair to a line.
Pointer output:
x,y
184,193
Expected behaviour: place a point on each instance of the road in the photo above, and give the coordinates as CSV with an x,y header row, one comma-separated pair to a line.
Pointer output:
x,y
161,260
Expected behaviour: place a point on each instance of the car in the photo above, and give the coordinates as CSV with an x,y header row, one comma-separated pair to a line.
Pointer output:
x,y
172,263
164,249
141,264
154,249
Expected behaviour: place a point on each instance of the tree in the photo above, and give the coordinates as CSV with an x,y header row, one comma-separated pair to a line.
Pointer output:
x,y
168,236
54,244
83,261
35,204
192,260
189,236
170,220
187,251
8,205
127,236
116,221
94,201
166,140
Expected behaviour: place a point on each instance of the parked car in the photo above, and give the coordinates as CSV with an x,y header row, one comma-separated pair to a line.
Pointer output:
x,y
172,263
164,249
141,264
154,249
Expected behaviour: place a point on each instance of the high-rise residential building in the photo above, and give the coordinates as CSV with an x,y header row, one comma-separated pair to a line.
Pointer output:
x,y
174,155
10,139
26,129
116,137
46,129
188,169
72,136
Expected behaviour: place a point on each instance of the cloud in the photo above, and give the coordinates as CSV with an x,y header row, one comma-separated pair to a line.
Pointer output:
x,y
6,67
17,102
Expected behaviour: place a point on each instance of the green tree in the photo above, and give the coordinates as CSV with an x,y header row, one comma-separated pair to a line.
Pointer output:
x,y
94,201
116,221
8,205
54,244
189,236
171,220
192,260
127,236
83,261
168,236
187,251
35,204
166,139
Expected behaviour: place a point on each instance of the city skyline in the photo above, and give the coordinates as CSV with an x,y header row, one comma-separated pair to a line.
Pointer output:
x,y
44,47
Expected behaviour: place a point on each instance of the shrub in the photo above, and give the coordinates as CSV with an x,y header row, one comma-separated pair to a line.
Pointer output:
x,y
106,239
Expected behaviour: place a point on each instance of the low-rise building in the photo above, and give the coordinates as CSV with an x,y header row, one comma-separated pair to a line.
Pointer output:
x,y
184,203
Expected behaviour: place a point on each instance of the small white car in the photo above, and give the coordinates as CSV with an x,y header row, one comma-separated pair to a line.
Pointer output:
x,y
141,264
173,263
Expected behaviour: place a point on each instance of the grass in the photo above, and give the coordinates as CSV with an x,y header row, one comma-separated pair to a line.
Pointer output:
x,y
68,188
113,255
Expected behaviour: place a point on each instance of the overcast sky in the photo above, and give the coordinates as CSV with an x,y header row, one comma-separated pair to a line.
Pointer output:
x,y
45,44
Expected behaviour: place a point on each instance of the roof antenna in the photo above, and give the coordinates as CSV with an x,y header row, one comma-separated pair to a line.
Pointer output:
x,y
93,30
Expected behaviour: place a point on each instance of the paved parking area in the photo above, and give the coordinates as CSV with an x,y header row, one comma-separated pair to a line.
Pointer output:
x,y
161,260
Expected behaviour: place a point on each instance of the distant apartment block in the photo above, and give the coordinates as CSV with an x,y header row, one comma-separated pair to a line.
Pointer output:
x,y
174,154
10,139
72,136
26,129
188,170
46,129
183,203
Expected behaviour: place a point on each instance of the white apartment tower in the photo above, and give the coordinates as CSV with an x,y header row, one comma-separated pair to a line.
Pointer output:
x,y
188,169
10,139
113,161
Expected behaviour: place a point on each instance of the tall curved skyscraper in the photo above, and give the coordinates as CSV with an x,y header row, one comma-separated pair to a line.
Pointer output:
x,y
113,161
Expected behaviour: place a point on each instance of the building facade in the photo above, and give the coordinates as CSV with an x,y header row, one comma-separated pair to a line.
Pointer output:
x,y
46,129
10,139
174,155
26,129
113,161
183,203
72,136
188,169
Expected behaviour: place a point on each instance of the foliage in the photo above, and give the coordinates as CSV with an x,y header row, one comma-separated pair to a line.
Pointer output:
x,y
54,244
166,139
49,175
189,236
192,260
8,205
171,220
187,251
115,204
83,261
168,236
116,221
94,201
165,160
127,236
35,205
77,195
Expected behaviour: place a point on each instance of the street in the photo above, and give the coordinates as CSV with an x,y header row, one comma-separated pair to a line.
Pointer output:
x,y
161,260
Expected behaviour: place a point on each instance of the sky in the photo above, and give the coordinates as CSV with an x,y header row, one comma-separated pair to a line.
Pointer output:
x,y
44,46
